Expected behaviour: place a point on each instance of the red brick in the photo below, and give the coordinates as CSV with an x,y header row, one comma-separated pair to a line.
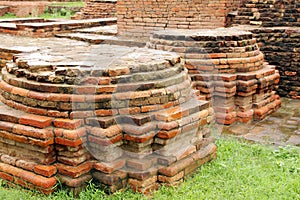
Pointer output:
x,y
44,170
37,95
104,81
168,134
106,89
168,125
14,137
66,142
110,179
74,134
103,113
33,132
85,89
75,182
68,123
166,179
135,184
27,165
6,177
106,133
59,97
37,111
75,171
129,111
78,98
30,177
35,120
6,87
140,138
138,130
105,141
109,167
141,164
20,91
58,114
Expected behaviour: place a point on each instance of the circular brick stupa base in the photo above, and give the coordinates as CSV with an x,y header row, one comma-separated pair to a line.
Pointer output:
x,y
115,114
226,66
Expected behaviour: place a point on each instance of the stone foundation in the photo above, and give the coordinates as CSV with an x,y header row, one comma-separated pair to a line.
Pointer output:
x,y
39,28
120,116
228,68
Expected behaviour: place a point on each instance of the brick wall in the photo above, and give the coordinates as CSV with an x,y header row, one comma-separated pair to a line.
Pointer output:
x,y
281,48
139,18
25,9
97,9
269,13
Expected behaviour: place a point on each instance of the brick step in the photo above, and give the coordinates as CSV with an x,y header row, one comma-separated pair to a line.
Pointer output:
x,y
68,25
22,20
101,39
182,110
27,179
16,116
100,30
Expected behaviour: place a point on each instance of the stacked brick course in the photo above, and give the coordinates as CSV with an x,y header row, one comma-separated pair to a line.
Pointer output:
x,y
278,37
134,121
139,18
269,13
225,64
97,9
280,46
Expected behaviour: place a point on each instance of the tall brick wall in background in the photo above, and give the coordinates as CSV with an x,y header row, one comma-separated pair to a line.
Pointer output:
x,y
138,18
282,48
269,13
277,30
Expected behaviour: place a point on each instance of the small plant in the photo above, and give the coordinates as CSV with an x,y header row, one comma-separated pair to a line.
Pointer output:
x,y
8,15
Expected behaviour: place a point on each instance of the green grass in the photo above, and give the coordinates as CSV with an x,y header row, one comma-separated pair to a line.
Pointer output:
x,y
8,16
241,171
56,15
69,4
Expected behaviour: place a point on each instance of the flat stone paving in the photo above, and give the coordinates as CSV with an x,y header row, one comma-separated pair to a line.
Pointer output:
x,y
280,128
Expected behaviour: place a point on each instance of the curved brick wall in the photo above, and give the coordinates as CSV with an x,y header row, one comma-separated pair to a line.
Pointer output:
x,y
135,120
227,65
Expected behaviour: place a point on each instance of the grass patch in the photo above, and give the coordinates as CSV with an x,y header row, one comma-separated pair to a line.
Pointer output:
x,y
69,4
8,16
57,15
241,171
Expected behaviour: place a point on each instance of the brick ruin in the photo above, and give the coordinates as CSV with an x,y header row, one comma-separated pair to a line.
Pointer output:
x,y
23,8
97,9
143,119
139,18
278,35
119,123
228,68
